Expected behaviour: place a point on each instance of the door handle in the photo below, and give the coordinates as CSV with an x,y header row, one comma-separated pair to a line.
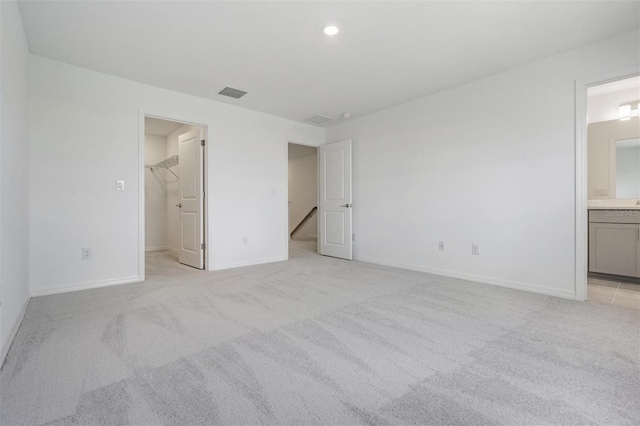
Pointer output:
x,y
347,205
179,205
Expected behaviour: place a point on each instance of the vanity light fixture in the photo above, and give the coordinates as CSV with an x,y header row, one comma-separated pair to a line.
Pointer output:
x,y
628,110
624,112
331,30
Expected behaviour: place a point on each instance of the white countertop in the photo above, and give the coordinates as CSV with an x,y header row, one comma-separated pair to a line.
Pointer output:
x,y
613,207
613,204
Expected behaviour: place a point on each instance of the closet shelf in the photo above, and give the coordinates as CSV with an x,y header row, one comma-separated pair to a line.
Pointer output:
x,y
167,165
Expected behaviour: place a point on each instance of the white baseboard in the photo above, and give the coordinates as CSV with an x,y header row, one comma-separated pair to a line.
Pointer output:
x,y
476,278
245,263
14,331
159,248
84,286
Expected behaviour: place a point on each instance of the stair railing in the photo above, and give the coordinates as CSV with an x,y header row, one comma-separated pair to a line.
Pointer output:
x,y
303,221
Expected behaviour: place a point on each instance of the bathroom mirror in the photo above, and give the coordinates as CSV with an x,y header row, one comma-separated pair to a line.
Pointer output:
x,y
628,168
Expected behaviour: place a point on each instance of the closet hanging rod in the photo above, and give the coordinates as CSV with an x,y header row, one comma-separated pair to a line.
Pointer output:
x,y
166,164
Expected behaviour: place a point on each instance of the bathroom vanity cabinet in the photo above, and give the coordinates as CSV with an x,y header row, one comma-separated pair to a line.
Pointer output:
x,y
614,242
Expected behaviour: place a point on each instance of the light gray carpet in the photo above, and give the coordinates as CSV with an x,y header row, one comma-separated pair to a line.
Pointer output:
x,y
317,340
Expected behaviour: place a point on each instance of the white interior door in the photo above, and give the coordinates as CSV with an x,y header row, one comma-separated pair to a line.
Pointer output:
x,y
335,200
191,251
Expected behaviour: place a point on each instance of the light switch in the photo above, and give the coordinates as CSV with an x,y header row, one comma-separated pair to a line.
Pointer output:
x,y
120,185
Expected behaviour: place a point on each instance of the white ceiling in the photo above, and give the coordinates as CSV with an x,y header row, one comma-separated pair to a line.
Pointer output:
x,y
604,100
387,52
614,86
298,151
158,127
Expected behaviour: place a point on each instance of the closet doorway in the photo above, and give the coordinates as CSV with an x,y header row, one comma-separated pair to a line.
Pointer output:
x,y
174,188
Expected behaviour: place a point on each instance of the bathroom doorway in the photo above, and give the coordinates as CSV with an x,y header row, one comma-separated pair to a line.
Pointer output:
x,y
613,192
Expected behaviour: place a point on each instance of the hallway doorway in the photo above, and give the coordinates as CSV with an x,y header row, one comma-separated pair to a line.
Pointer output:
x,y
303,192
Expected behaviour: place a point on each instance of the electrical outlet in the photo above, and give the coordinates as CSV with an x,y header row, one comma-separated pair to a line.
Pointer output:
x,y
353,237
86,253
245,240
441,246
119,185
475,249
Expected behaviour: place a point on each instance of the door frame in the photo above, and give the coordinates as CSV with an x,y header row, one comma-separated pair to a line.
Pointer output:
x,y
286,187
581,193
141,186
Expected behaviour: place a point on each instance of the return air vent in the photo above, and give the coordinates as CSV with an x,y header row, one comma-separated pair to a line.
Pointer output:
x,y
319,119
232,93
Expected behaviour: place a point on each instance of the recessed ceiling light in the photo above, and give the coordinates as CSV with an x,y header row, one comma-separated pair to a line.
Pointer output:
x,y
331,30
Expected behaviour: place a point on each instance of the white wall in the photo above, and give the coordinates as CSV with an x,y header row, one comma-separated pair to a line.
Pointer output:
x,y
173,190
601,138
84,135
14,173
155,193
489,162
303,194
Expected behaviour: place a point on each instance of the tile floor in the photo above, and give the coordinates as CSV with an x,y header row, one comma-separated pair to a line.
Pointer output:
x,y
618,293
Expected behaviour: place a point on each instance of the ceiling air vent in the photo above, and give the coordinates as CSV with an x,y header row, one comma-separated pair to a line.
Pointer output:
x,y
319,119
232,93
